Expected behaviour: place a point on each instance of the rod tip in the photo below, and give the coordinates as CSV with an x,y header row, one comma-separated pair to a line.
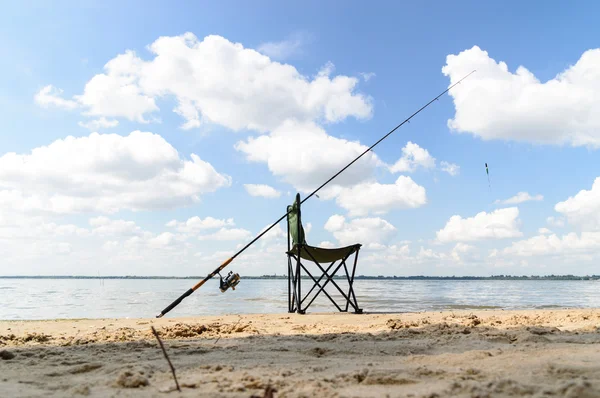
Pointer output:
x,y
159,315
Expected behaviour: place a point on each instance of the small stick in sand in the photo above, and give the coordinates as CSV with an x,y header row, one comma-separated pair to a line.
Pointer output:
x,y
268,393
166,356
219,338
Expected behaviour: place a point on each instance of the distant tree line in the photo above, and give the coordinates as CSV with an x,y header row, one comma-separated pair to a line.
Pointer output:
x,y
378,277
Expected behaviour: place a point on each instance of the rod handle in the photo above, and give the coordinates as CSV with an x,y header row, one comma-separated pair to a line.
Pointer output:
x,y
175,303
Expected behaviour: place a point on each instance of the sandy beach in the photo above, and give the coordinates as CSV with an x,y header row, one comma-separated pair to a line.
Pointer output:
x,y
486,353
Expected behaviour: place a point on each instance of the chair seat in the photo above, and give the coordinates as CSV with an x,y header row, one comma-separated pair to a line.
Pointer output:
x,y
323,255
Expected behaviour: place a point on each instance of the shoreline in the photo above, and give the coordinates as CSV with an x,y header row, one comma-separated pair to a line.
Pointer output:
x,y
457,309
450,309
462,353
357,277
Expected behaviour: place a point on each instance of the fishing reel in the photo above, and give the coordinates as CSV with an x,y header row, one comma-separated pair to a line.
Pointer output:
x,y
230,281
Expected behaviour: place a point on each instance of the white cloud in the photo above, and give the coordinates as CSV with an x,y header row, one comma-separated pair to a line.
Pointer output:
x,y
326,244
51,96
367,76
307,228
555,222
401,259
359,230
227,234
284,49
195,224
295,152
552,245
499,224
117,93
102,123
162,240
28,241
544,231
520,198
198,74
378,198
104,226
275,233
413,156
460,250
335,223
376,246
104,173
450,168
110,245
265,191
583,209
495,103
14,226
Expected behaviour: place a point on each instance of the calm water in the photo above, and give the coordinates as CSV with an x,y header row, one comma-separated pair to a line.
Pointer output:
x,y
119,298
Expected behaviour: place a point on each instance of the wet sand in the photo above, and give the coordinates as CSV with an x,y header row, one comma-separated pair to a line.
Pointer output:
x,y
483,353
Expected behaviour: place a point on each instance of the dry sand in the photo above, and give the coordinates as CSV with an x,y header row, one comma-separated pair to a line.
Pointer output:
x,y
537,353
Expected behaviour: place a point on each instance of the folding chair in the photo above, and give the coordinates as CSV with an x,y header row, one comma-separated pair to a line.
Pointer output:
x,y
301,250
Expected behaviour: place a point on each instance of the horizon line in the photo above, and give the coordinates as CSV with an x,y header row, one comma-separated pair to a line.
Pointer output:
x,y
264,276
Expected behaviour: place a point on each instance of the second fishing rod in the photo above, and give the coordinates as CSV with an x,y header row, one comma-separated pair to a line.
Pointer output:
x,y
232,280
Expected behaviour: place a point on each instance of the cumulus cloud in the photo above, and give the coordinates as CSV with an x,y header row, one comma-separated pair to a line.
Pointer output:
x,y
326,244
413,260
520,197
499,224
198,74
162,240
555,222
335,223
266,191
281,50
102,123
104,226
104,173
275,233
196,224
450,168
367,75
295,153
268,97
359,230
460,252
552,245
495,103
583,209
50,96
227,234
125,248
15,227
378,198
413,156
117,92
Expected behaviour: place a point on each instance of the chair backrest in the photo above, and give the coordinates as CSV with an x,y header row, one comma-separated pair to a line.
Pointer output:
x,y
294,219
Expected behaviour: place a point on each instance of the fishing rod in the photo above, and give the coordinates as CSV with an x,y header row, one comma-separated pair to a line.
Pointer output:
x,y
232,280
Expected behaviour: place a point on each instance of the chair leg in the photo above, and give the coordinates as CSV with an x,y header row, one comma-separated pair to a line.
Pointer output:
x,y
299,279
351,286
289,295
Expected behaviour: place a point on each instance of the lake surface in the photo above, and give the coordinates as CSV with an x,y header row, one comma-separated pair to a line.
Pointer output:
x,y
140,298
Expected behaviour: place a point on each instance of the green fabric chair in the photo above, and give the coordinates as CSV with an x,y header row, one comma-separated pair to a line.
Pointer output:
x,y
299,250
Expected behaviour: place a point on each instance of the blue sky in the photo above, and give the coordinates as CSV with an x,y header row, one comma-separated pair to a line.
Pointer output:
x,y
405,46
